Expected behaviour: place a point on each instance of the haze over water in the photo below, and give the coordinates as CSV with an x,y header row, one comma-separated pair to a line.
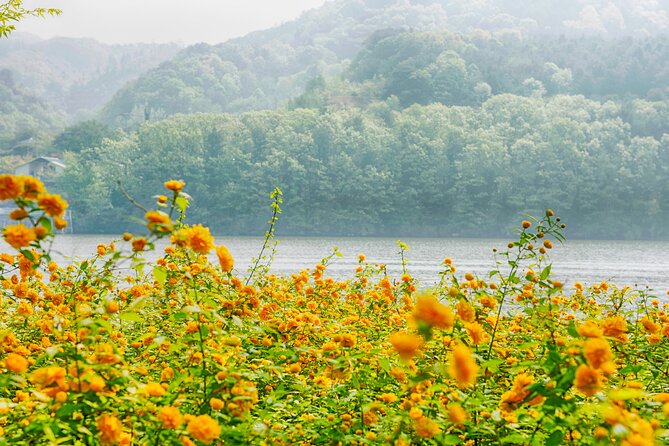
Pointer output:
x,y
626,263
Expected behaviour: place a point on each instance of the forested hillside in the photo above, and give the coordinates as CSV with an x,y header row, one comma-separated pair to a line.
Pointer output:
x,y
424,170
265,69
78,75
26,122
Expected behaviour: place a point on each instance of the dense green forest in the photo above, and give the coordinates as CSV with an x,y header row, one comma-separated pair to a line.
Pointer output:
x,y
423,170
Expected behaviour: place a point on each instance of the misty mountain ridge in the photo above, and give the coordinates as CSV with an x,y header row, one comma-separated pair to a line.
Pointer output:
x,y
266,69
77,74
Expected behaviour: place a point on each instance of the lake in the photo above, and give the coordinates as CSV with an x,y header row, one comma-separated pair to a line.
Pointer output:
x,y
633,263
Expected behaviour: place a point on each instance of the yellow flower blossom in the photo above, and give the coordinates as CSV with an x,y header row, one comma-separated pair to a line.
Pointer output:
x,y
406,344
110,429
19,236
204,428
16,363
429,310
462,366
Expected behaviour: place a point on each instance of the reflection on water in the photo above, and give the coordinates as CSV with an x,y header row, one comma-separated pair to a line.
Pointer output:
x,y
634,263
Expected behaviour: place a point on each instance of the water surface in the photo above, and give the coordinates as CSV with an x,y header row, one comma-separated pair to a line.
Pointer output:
x,y
633,263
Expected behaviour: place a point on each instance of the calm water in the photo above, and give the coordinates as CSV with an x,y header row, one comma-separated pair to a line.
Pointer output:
x,y
634,263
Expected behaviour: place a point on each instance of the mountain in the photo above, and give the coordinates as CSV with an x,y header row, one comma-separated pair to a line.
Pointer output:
x,y
25,120
78,75
264,69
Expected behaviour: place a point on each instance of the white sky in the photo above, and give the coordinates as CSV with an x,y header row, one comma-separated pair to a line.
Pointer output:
x,y
185,21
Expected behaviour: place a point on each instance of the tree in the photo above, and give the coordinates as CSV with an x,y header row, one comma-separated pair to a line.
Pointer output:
x,y
13,11
84,135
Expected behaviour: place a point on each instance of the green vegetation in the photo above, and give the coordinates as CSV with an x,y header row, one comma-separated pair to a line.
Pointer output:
x,y
423,170
25,121
505,44
13,11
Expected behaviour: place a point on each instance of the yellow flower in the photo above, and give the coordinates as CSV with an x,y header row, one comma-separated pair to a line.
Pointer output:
x,y
52,204
11,187
170,417
649,326
204,428
96,384
32,187
154,389
615,327
456,414
110,429
388,397
590,329
47,376
429,310
18,214
138,244
587,380
16,363
462,366
476,333
59,223
158,221
216,404
225,258
175,185
426,428
196,238
406,344
19,236
465,311
597,352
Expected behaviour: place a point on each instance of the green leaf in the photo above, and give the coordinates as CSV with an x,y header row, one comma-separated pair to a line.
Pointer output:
x,y
27,254
625,394
160,274
46,224
515,438
421,377
545,273
451,439
182,203
555,438
385,364
131,317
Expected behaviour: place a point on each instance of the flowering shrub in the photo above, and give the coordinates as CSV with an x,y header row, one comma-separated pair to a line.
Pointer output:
x,y
111,350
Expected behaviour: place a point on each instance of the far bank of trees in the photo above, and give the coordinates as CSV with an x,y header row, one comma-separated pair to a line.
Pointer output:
x,y
424,170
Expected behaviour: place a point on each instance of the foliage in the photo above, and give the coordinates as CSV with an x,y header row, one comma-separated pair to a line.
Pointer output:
x,y
81,136
26,122
113,350
77,76
452,68
425,170
13,11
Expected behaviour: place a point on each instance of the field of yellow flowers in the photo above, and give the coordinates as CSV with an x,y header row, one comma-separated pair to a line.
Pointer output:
x,y
113,350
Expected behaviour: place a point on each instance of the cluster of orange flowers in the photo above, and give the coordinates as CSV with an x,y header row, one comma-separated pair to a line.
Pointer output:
x,y
34,205
189,352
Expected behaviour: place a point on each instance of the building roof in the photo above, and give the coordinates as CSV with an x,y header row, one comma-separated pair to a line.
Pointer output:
x,y
49,159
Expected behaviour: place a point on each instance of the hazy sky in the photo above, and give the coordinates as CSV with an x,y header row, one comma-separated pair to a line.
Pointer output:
x,y
186,21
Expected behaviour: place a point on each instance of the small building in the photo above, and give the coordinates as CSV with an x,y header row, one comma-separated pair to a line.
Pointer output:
x,y
41,167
